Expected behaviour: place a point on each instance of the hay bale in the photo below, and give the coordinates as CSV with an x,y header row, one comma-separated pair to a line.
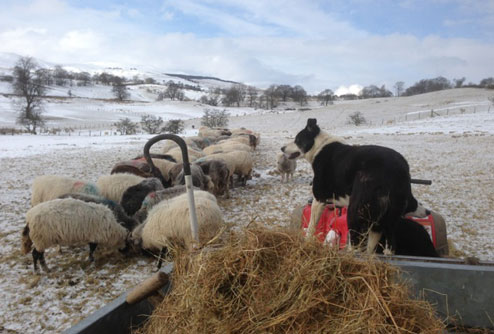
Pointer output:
x,y
272,281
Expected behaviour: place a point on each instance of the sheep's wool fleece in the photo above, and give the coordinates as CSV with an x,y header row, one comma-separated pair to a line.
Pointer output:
x,y
47,187
113,186
70,221
170,220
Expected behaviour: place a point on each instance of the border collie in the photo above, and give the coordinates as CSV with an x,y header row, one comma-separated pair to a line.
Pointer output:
x,y
373,181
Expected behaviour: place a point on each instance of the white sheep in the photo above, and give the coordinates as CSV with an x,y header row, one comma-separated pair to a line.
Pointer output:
x,y
113,186
168,223
70,222
238,162
226,147
164,167
48,187
208,132
176,153
286,167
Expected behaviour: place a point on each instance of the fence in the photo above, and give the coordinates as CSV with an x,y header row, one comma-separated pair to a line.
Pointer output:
x,y
454,110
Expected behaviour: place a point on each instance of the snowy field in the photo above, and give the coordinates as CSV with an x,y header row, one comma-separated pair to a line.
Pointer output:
x,y
455,152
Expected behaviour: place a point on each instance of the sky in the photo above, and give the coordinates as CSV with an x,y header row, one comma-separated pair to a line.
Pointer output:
x,y
339,44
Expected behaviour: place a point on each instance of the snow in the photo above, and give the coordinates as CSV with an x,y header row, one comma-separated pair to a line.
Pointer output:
x,y
454,150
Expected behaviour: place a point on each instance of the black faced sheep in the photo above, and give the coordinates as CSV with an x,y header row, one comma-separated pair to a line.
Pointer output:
x,y
113,186
286,167
218,171
157,196
168,223
69,222
199,179
48,187
132,197
122,218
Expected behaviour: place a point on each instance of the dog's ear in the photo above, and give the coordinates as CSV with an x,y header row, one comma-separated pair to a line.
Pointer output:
x,y
312,125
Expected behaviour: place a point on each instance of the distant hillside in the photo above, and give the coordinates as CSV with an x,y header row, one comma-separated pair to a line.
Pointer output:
x,y
193,78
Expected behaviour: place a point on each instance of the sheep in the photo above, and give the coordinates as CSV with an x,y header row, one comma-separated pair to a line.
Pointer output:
x,y
156,156
168,223
236,139
155,197
132,197
176,153
199,142
140,167
244,131
68,222
218,171
227,159
286,167
113,186
48,187
243,165
226,147
118,211
208,132
199,179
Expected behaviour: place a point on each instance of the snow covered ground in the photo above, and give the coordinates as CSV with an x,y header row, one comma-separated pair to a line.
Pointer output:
x,y
455,151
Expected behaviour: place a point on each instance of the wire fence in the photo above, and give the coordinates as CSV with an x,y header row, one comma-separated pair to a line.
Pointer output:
x,y
431,113
98,129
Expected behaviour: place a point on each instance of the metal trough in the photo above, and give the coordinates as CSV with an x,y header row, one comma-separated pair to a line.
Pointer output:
x,y
458,291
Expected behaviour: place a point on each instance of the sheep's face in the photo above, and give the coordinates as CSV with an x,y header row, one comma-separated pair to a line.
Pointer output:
x,y
26,242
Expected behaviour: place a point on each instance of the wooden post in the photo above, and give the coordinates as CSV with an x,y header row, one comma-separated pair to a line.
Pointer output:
x,y
147,287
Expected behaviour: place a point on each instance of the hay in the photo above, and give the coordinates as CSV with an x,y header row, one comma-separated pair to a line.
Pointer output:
x,y
272,281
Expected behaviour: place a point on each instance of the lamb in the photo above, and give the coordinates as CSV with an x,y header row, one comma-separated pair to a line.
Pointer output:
x,y
218,171
68,222
118,211
132,197
113,186
286,167
168,223
48,187
199,179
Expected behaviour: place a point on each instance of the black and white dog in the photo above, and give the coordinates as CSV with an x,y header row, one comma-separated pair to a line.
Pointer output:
x,y
373,181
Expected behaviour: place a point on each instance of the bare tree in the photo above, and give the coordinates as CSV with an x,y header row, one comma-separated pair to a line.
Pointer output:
x,y
459,82
299,95
151,123
399,87
251,95
126,127
174,126
234,95
326,97
28,85
120,90
271,97
173,91
284,91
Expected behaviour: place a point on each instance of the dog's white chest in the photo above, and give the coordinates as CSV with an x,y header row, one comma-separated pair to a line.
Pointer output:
x,y
341,201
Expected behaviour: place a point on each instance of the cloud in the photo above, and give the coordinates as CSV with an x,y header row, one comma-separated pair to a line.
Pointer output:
x,y
352,89
255,42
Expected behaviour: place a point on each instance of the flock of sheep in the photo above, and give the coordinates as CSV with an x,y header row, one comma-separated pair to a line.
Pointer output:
x,y
128,211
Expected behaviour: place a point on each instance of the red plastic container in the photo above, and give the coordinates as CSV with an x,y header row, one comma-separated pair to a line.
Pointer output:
x,y
332,228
